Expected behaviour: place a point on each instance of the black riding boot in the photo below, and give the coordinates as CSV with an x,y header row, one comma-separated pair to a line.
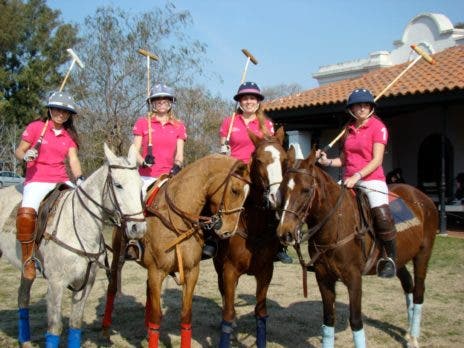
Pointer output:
x,y
209,248
385,229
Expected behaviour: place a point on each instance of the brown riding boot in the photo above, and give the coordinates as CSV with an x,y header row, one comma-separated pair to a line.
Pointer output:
x,y
385,230
25,226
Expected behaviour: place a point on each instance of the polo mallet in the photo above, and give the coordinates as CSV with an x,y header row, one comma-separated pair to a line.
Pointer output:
x,y
421,54
251,58
75,59
149,159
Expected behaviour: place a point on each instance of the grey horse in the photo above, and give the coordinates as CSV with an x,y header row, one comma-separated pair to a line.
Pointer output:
x,y
73,246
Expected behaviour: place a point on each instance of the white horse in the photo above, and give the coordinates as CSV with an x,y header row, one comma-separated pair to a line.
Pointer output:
x,y
73,247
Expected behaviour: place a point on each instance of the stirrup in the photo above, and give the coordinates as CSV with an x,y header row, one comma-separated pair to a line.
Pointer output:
x,y
382,263
134,244
209,250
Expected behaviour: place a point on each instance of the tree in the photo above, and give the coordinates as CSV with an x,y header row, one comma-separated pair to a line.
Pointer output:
x,y
33,44
202,115
282,90
112,87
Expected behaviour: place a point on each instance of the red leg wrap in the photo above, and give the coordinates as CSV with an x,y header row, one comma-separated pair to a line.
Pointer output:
x,y
107,318
185,335
153,335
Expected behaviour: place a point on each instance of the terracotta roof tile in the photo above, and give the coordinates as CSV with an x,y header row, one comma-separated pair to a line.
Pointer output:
x,y
423,78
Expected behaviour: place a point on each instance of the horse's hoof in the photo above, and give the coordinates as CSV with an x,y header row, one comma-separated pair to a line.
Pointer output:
x,y
27,344
106,333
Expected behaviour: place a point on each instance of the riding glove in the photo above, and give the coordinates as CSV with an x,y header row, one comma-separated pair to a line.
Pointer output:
x,y
225,150
80,180
174,170
30,155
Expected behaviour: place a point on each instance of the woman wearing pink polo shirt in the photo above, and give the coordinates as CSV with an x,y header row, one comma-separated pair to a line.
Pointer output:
x,y
45,166
165,154
362,156
249,116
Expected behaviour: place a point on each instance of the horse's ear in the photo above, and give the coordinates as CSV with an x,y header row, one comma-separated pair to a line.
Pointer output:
x,y
132,155
291,156
311,159
243,169
254,138
110,156
280,135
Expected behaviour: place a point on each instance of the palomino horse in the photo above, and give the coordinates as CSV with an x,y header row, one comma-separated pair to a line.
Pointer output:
x,y
339,249
252,249
174,238
74,247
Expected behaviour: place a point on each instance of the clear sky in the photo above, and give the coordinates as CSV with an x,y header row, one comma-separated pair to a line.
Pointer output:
x,y
290,39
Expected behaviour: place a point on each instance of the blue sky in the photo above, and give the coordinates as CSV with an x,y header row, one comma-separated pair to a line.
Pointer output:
x,y
290,39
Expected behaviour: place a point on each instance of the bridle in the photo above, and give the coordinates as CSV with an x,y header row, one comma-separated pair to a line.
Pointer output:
x,y
213,222
261,183
116,215
303,212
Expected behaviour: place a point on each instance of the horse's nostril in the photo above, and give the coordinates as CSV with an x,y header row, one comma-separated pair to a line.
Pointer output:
x,y
288,237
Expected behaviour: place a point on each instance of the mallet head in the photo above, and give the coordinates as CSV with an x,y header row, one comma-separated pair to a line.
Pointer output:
x,y
147,54
249,55
422,53
75,58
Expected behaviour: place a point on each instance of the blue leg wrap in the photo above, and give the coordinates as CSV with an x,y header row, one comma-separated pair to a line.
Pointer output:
x,y
416,320
24,334
226,330
359,339
328,336
52,341
74,338
261,332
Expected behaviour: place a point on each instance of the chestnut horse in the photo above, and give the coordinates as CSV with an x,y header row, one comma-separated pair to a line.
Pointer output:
x,y
252,249
174,238
340,252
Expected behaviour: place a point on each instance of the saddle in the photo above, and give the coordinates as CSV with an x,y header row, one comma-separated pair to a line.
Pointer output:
x,y
47,210
366,228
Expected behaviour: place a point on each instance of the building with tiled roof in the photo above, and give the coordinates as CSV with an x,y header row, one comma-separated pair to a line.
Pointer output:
x,y
423,110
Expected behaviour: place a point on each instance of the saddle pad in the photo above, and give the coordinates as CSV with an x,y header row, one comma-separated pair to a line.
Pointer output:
x,y
402,214
153,190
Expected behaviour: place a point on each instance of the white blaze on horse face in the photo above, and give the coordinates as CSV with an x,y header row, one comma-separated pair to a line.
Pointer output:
x,y
274,175
290,187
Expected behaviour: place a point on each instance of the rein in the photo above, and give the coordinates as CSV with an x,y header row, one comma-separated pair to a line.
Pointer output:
x,y
117,217
197,222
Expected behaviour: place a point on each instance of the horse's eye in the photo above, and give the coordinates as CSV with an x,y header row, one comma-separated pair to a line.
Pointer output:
x,y
118,185
235,192
306,190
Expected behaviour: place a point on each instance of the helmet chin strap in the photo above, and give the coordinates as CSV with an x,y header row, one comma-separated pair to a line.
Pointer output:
x,y
256,108
356,117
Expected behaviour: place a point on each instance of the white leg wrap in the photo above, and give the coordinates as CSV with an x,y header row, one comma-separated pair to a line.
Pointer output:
x,y
328,336
416,320
409,307
359,339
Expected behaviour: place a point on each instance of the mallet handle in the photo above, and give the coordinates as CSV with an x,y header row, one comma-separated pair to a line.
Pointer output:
x,y
67,75
421,54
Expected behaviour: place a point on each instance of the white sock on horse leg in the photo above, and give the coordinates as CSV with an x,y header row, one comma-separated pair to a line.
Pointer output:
x,y
409,307
416,320
359,339
328,336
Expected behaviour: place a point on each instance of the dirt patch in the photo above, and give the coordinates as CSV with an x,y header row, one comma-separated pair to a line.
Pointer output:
x,y
293,320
